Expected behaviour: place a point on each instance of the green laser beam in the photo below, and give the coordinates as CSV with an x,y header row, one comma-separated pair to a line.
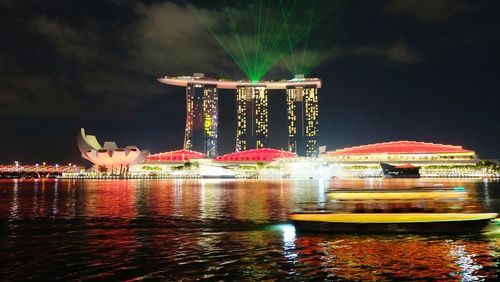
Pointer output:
x,y
312,53
258,34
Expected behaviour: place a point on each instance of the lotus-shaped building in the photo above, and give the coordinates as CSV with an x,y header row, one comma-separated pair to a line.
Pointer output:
x,y
109,158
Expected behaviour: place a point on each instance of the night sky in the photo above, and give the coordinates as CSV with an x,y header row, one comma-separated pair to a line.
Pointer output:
x,y
424,70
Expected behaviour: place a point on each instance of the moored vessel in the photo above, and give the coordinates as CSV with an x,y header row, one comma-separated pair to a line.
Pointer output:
x,y
400,171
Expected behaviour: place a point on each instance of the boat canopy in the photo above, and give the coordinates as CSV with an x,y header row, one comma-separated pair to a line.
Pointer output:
x,y
397,194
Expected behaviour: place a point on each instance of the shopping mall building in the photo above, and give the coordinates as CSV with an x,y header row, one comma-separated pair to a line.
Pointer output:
x,y
244,164
433,159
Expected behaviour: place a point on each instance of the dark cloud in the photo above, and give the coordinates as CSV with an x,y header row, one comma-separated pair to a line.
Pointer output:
x,y
80,45
402,54
398,52
408,69
170,39
430,11
103,64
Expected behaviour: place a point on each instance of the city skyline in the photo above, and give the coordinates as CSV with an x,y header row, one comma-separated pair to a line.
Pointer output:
x,y
401,73
249,140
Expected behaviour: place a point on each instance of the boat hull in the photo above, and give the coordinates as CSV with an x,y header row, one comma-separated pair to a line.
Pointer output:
x,y
391,171
402,176
453,225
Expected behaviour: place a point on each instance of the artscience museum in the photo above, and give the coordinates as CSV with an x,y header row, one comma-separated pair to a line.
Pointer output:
x,y
109,157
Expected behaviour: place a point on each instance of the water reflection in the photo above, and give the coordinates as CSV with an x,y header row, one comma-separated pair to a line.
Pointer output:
x,y
486,193
36,203
466,262
289,248
382,258
216,230
55,199
14,206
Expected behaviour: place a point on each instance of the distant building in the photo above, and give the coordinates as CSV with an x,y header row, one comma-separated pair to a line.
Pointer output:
x,y
255,163
264,155
109,157
302,109
403,152
181,164
434,160
201,117
252,129
178,156
252,118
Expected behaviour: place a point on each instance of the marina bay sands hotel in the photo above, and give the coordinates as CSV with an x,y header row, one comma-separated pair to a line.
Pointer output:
x,y
252,132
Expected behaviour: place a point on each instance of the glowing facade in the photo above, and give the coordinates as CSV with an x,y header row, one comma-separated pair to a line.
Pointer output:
x,y
302,112
404,152
252,128
109,157
201,118
178,156
256,155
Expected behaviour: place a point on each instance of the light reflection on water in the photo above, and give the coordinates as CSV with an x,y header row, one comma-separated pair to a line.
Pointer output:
x,y
218,230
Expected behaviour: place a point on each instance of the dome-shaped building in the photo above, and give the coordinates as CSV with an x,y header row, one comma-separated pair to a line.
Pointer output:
x,y
264,155
433,160
404,152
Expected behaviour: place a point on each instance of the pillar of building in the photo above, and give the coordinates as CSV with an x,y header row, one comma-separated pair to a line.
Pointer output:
x,y
201,118
252,128
302,114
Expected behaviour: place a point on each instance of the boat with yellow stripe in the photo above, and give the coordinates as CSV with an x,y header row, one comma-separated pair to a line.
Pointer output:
x,y
398,194
419,210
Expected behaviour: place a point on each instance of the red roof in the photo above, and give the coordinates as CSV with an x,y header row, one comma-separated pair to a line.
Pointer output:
x,y
175,156
400,147
256,155
405,166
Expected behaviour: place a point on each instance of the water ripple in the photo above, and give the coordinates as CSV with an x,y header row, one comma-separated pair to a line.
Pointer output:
x,y
235,231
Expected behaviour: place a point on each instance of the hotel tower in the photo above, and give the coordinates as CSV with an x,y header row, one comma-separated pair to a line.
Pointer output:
x,y
252,128
252,116
302,112
201,118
